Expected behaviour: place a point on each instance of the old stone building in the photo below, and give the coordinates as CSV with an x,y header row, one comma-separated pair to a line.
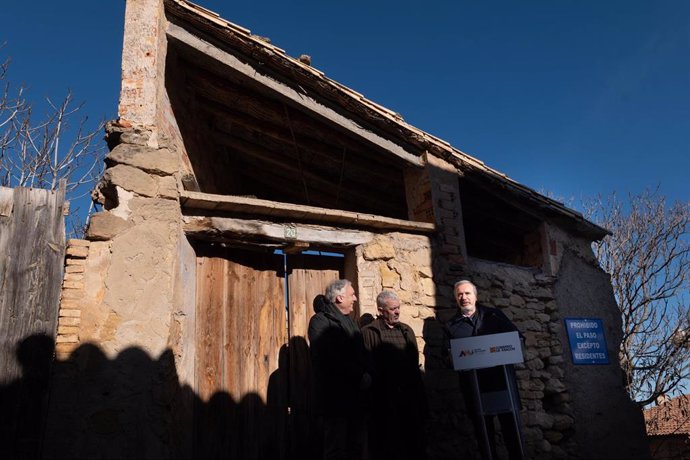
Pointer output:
x,y
240,181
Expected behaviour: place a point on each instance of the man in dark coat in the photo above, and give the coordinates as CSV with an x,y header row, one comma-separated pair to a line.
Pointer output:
x,y
399,404
341,373
474,320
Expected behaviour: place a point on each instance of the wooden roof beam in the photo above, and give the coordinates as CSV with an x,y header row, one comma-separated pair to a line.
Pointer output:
x,y
254,206
292,236
317,109
226,101
321,190
229,121
320,175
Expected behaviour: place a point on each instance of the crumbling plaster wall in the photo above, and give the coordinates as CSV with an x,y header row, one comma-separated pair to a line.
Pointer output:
x,y
144,301
125,377
583,290
607,423
141,221
143,59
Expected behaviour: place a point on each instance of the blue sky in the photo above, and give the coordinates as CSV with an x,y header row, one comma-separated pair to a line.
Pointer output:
x,y
575,98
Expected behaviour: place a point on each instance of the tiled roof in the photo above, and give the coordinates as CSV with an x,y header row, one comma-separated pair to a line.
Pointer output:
x,y
387,120
669,418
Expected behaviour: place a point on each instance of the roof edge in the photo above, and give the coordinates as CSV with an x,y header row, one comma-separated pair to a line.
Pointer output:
x,y
380,117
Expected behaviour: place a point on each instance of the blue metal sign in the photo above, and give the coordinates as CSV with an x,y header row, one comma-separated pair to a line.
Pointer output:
x,y
587,341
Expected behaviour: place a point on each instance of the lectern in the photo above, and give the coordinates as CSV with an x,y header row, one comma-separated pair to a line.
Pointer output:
x,y
493,350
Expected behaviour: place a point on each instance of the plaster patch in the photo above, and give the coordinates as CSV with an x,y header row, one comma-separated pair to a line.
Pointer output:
x,y
109,329
123,199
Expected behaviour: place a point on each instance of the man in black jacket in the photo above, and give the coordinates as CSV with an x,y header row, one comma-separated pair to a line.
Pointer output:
x,y
474,320
341,373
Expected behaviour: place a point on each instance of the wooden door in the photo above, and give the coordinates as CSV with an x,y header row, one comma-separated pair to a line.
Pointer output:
x,y
240,328
308,276
253,372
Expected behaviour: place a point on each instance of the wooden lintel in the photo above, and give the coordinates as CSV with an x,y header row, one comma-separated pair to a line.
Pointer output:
x,y
228,203
290,234
296,247
178,33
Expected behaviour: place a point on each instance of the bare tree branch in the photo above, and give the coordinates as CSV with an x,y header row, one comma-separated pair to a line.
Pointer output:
x,y
648,258
40,152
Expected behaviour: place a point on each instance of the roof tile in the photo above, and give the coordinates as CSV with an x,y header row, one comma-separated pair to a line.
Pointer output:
x,y
669,418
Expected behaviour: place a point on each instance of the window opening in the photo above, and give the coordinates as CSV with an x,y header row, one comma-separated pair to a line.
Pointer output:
x,y
498,230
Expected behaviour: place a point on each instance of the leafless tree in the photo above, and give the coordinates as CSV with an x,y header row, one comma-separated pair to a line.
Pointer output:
x,y
39,152
648,258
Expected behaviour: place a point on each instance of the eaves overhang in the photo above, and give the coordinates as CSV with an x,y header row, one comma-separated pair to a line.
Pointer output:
x,y
369,115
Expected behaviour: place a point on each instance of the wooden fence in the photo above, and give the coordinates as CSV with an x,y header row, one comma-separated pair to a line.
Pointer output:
x,y
32,252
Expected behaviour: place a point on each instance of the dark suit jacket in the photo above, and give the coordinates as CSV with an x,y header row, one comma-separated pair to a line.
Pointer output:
x,y
339,360
486,320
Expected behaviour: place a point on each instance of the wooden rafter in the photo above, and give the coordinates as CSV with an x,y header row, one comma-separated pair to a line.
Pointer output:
x,y
234,204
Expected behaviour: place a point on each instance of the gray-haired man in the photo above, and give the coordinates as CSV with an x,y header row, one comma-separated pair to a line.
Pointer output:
x,y
341,373
399,407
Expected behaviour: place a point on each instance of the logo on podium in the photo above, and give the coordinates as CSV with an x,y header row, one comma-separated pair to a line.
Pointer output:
x,y
486,351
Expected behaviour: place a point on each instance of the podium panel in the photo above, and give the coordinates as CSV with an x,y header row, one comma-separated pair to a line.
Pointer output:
x,y
486,351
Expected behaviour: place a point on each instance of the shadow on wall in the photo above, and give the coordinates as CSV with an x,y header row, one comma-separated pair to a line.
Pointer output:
x,y
23,402
133,406
450,431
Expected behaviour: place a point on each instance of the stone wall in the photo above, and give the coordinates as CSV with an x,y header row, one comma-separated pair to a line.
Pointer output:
x,y
141,221
527,298
422,271
123,314
403,263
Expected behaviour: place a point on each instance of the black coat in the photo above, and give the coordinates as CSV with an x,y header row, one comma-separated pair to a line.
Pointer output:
x,y
486,320
339,360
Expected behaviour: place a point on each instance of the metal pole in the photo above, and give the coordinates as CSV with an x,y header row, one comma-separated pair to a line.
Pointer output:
x,y
484,437
514,405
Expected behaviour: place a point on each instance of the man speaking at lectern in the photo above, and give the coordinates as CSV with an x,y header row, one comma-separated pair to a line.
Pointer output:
x,y
473,320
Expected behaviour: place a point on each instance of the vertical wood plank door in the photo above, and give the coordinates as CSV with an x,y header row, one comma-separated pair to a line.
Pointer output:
x,y
308,276
241,327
